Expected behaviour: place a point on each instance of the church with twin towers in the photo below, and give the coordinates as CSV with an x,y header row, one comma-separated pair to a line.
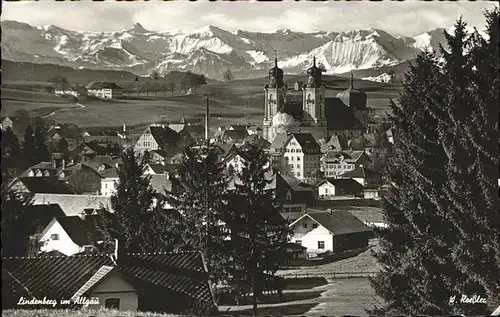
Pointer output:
x,y
312,112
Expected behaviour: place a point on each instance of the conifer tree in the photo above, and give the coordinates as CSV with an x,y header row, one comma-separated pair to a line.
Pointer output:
x,y
138,220
200,199
258,231
442,238
470,139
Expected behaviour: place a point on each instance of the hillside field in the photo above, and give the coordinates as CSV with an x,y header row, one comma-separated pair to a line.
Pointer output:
x,y
237,101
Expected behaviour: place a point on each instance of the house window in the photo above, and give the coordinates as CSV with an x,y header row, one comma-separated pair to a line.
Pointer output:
x,y
315,225
54,236
304,225
298,158
298,174
112,303
298,165
298,242
321,245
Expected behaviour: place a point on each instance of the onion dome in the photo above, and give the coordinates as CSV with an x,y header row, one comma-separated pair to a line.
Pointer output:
x,y
314,76
276,76
352,97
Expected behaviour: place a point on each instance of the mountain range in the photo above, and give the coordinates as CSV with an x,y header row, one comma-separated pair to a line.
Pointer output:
x,y
211,50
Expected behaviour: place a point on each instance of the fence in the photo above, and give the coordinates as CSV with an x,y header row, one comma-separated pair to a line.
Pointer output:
x,y
331,275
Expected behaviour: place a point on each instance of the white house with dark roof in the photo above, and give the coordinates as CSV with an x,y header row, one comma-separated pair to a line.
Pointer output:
x,y
336,163
330,188
104,90
79,92
298,154
71,234
330,231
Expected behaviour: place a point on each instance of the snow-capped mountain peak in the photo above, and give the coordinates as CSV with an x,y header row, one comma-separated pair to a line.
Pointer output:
x,y
210,49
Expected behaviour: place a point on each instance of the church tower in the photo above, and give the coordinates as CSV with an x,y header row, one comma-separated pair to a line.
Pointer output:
x,y
313,103
275,97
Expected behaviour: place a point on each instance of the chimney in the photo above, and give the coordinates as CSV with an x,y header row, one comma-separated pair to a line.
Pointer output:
x,y
207,114
54,164
124,128
63,163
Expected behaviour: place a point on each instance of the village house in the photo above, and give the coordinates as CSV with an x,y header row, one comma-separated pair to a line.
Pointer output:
x,y
161,137
330,231
104,90
109,179
336,163
43,185
79,92
77,176
333,187
298,154
359,174
236,160
293,194
336,143
160,282
71,234
235,133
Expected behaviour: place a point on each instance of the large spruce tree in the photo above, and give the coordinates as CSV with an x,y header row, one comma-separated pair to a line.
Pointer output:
x,y
258,231
470,139
200,199
442,238
138,220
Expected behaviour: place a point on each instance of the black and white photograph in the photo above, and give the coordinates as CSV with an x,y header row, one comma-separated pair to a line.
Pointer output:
x,y
250,158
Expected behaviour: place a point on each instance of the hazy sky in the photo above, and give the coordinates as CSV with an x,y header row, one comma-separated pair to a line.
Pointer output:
x,y
398,18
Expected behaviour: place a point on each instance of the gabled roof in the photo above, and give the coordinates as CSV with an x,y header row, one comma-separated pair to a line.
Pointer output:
x,y
45,185
54,277
157,168
43,166
184,273
164,136
358,172
349,156
336,143
109,173
307,142
279,141
81,231
64,277
41,215
73,204
235,135
338,222
102,85
347,185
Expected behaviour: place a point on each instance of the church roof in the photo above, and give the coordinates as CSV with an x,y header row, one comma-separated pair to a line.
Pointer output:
x,y
340,117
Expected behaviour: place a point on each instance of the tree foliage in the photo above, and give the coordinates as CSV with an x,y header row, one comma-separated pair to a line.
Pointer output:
x,y
138,220
200,199
442,210
258,231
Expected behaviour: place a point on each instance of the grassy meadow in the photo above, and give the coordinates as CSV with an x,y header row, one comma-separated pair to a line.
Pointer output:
x,y
234,102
